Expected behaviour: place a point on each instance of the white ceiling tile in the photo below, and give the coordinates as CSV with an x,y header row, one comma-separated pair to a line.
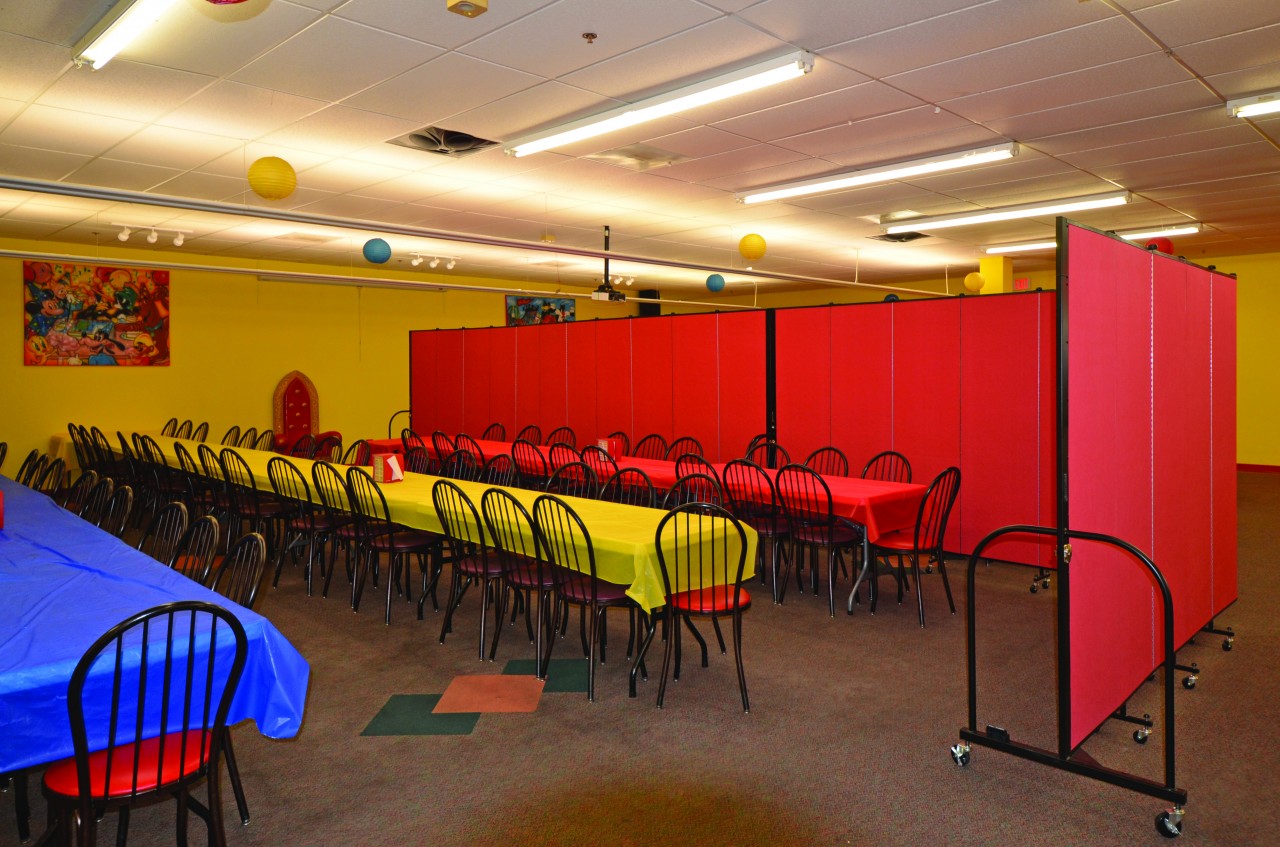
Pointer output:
x,y
1162,146
846,136
310,65
173,148
700,141
887,150
442,87
1234,52
857,103
731,162
1180,97
127,175
345,206
204,186
814,24
190,39
549,42
37,163
1244,83
67,131
432,22
1130,131
786,172
1189,21
1255,158
339,130
529,110
124,90
239,111
410,188
29,65
236,163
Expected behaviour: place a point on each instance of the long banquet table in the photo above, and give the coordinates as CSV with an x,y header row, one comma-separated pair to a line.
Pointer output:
x,y
63,583
622,536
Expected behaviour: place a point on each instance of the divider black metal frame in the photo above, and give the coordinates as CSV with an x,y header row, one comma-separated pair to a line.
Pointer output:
x,y
1066,758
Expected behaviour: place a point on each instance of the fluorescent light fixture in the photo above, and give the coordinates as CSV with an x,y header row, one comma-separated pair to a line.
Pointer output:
x,y
886,173
126,20
1251,107
1025,247
1008,213
1166,232
717,88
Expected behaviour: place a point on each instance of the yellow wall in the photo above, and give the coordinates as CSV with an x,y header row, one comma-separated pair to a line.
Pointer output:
x,y
233,337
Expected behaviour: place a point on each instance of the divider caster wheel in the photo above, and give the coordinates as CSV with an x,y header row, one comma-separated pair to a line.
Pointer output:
x,y
1189,682
1034,588
1169,823
1228,643
1140,735
960,754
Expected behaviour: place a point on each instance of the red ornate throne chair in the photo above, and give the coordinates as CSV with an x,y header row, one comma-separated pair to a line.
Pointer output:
x,y
295,410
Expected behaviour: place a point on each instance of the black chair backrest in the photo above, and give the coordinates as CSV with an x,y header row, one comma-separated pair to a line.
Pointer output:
x,y
4,451
328,449
565,541
211,467
498,470
25,470
935,509
531,433
94,503
563,435
51,477
290,485
170,427
459,519
441,444
701,546
197,549
494,432
418,460
73,495
600,462
694,488
805,497
266,440
232,437
460,464
531,465
691,463
115,516
184,697
511,530
888,466
161,537
749,490
240,573
184,429
626,443
631,486
409,438
304,447
462,441
685,444
201,432
331,488
575,479
768,454
249,438
828,461
652,446
368,504
359,453
561,454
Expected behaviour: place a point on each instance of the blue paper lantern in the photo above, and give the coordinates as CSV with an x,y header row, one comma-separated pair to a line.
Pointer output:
x,y
715,282
377,250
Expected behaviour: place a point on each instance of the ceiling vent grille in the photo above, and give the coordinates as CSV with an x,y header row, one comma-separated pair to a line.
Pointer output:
x,y
443,142
898,237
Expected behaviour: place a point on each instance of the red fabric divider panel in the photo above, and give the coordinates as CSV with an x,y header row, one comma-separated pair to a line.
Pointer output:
x,y
1109,472
1224,584
802,355
500,381
695,400
742,380
422,376
478,355
1181,493
926,391
1000,436
446,385
1048,427
861,382
528,360
553,376
580,402
652,359
613,377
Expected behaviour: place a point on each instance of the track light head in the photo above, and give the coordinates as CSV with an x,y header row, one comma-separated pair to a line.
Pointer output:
x,y
433,263
179,239
124,234
449,266
153,237
417,260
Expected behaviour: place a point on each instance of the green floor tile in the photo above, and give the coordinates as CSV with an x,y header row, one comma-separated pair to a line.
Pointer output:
x,y
562,674
410,714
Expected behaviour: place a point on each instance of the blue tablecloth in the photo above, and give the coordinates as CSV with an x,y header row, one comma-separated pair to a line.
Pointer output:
x,y
63,583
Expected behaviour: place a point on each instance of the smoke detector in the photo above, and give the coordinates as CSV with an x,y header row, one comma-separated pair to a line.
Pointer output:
x,y
467,8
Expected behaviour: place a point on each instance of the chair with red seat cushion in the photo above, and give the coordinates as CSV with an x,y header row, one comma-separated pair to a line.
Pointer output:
x,y
338,524
768,454
600,462
702,549
631,486
682,445
563,435
652,446
197,549
377,535
754,501
524,570
532,469
564,539
828,461
181,737
494,432
888,466
924,539
301,522
472,562
812,524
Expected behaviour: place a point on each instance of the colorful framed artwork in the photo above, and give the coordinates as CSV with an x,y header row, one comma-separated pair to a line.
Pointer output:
x,y
94,315
526,311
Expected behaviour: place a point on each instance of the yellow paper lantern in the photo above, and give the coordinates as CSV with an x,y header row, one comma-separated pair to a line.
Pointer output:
x,y
272,178
751,247
974,281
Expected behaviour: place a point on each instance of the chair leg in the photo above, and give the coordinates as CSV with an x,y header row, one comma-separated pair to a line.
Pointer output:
x,y
915,572
21,805
737,655
456,589
715,623
672,635
591,654
233,774
638,667
499,615
702,642
946,583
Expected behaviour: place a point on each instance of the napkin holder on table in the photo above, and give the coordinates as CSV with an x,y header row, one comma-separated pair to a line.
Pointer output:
x,y
612,446
388,467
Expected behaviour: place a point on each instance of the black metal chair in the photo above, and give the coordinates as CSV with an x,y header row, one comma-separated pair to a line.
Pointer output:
x,y
694,488
691,463
27,469
498,470
494,432
567,544
561,454
170,428
300,522
359,453
201,432
682,445
251,510
239,575
531,466
600,462
754,500
652,446
51,478
626,442
471,562
184,429
888,466
418,460
266,441
524,571
72,497
115,517
304,447
94,503
768,454
462,441
460,464
121,761
925,539
563,435
231,438
531,433
442,445
337,523
828,461
328,448
161,537
409,438
703,552
248,439
813,524
197,550
630,486
574,479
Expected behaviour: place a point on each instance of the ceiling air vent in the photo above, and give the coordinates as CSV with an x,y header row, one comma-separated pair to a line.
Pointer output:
x,y
443,142
898,237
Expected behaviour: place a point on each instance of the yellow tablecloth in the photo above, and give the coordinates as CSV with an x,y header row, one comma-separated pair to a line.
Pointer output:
x,y
622,536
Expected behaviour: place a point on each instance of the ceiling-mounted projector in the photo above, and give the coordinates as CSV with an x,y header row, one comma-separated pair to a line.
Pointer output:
x,y
608,292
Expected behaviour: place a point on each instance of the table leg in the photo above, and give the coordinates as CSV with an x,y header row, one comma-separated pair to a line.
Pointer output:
x,y
866,563
638,665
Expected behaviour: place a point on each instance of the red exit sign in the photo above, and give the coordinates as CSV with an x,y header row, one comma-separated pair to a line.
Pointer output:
x,y
1021,284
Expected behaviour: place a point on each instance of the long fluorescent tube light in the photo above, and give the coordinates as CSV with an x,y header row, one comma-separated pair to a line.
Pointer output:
x,y
717,88
125,21
1167,232
1250,107
1008,213
1026,247
885,173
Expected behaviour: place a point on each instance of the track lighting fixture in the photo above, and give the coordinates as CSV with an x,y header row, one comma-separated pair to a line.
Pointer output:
x,y
450,265
434,263
152,237
179,235
124,234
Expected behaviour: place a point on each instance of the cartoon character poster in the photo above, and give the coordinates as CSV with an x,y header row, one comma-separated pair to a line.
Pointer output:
x,y
94,315
526,311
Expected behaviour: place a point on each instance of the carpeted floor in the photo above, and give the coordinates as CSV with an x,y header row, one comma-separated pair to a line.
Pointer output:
x,y
846,743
